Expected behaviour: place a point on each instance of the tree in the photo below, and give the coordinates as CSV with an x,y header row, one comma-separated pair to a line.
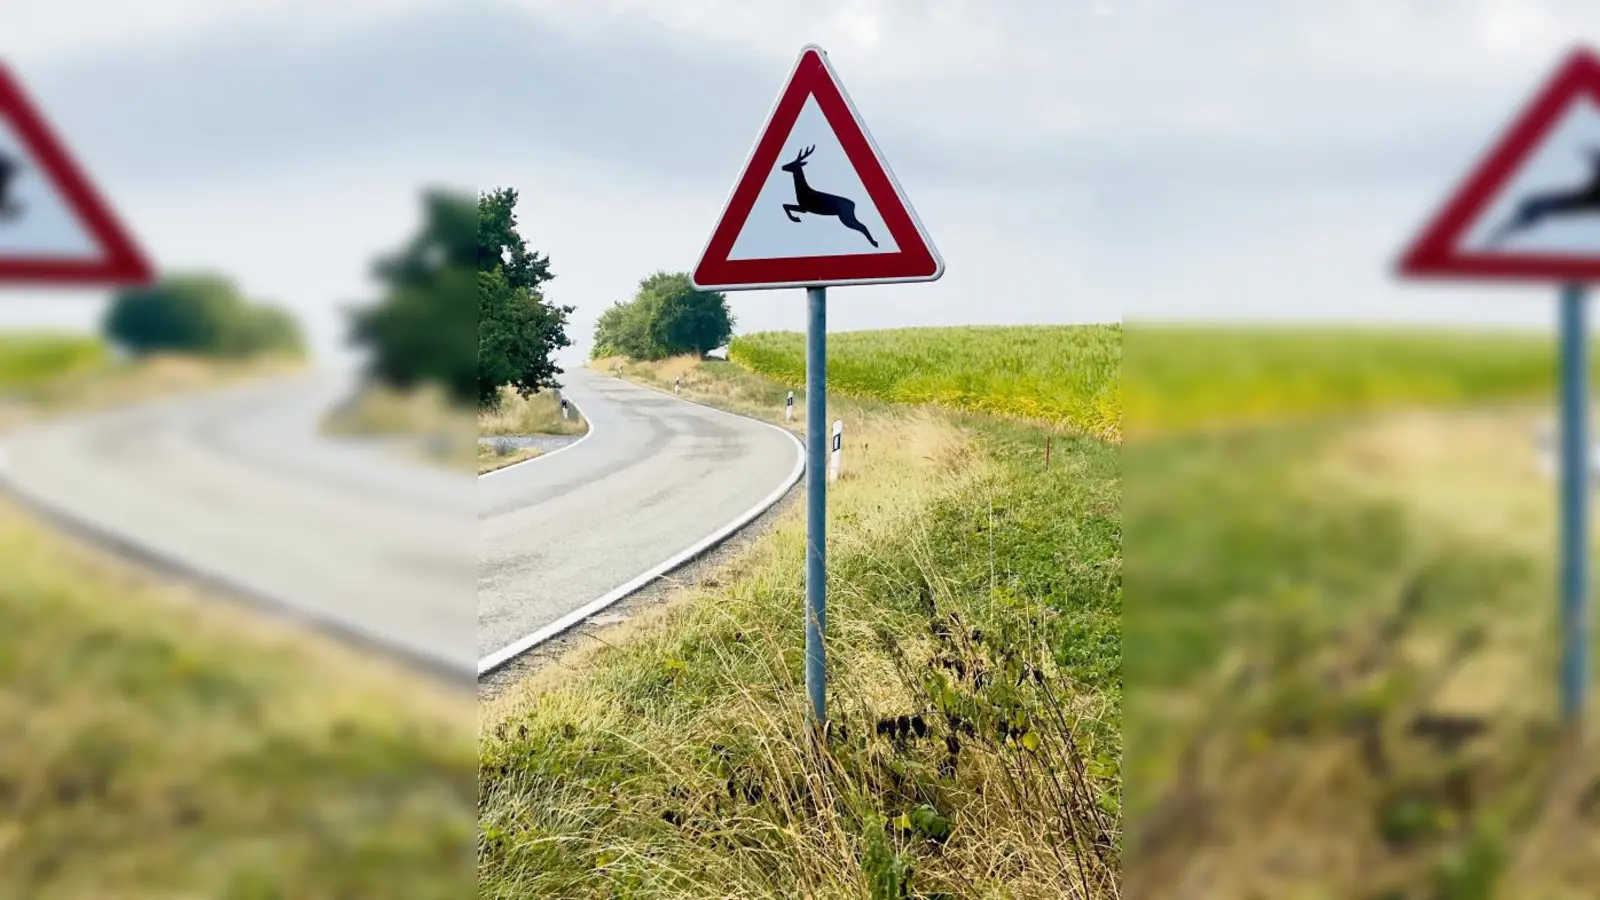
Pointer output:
x,y
683,319
199,313
422,329
624,330
666,317
518,330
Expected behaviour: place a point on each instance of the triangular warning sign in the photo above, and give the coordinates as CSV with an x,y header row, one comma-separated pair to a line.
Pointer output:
x,y
54,226
816,204
1531,210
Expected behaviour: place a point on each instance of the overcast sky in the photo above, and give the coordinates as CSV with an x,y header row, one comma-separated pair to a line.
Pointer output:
x,y
1074,160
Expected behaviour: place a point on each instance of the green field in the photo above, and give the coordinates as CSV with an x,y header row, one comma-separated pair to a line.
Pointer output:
x,y
1067,376
1339,632
975,689
27,360
1179,377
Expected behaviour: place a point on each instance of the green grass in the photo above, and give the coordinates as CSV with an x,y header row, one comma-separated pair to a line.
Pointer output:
x,y
1059,375
537,414
491,457
27,360
1180,377
1340,631
158,742
679,763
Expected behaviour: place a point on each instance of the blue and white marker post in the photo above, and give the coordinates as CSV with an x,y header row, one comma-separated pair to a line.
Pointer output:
x,y
1574,467
1506,223
816,500
772,236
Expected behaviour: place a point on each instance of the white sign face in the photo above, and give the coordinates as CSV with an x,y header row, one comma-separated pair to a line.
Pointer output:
x,y
35,220
1552,204
774,232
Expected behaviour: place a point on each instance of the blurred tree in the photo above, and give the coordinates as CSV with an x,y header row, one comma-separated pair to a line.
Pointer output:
x,y
199,313
422,329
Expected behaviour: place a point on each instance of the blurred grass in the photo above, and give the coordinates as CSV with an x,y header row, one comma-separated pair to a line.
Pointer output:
x,y
1340,643
422,423
1064,376
679,764
1180,377
161,743
30,359
48,373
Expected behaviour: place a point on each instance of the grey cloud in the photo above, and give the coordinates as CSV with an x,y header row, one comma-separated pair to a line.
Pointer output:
x,y
648,99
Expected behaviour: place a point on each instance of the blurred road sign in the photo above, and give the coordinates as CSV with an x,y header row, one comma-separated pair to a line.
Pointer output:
x,y
1531,209
55,228
816,204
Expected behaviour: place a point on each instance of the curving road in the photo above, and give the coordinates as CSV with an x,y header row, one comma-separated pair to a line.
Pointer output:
x,y
565,534
237,486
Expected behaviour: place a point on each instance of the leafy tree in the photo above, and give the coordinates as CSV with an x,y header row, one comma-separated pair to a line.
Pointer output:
x,y
666,317
200,313
422,328
518,330
624,330
685,320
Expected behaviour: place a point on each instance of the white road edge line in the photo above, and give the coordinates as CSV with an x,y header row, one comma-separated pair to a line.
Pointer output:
x,y
581,439
511,651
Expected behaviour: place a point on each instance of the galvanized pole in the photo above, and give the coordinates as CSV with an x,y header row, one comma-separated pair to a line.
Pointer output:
x,y
816,498
1575,464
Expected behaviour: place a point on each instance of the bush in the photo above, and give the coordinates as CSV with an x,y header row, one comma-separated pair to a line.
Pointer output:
x,y
198,313
666,317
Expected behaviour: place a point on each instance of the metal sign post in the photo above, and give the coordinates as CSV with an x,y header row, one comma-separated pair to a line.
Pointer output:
x,y
816,499
1574,470
846,222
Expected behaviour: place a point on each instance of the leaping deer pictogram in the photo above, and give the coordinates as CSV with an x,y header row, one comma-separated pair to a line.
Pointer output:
x,y
1536,209
9,207
810,200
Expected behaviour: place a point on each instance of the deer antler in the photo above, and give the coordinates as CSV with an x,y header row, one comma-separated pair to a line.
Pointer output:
x,y
805,153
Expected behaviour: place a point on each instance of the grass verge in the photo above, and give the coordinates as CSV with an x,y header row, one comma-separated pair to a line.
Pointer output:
x,y
1341,643
536,414
159,742
491,457
48,374
974,692
1063,376
422,423
163,744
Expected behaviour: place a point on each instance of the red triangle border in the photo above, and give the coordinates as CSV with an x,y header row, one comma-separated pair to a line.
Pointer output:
x,y
916,259
121,262
1434,254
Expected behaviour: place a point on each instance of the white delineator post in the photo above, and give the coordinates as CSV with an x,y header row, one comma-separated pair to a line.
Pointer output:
x,y
788,408
677,383
566,411
838,445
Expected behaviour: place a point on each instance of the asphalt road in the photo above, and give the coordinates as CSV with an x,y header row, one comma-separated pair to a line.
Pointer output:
x,y
655,477
237,486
